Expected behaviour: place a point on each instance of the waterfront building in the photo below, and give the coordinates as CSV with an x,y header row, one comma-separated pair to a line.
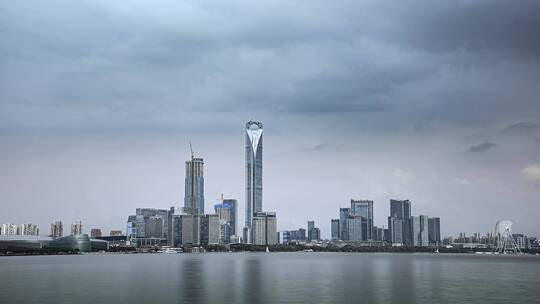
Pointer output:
x,y
344,214
233,213
354,228
401,209
334,227
378,234
434,230
364,208
254,177
395,230
264,228
95,233
194,186
210,229
419,230
76,228
314,233
57,229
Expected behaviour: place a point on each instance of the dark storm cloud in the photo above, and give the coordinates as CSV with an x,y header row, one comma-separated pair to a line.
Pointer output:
x,y
482,147
117,62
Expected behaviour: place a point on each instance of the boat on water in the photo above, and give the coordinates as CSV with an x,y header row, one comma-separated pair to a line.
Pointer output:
x,y
169,250
307,250
267,250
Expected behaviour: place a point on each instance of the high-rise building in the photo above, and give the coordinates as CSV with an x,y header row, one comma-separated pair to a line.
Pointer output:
x,y
419,230
95,233
57,229
314,233
264,229
395,230
354,228
364,208
401,209
194,186
210,229
344,214
434,230
233,212
334,229
76,228
254,177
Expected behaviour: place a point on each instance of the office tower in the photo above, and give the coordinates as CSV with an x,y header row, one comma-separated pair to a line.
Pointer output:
x,y
153,227
233,210
334,223
210,229
299,235
395,230
401,209
57,230
419,230
28,229
344,214
378,234
314,233
354,228
194,186
254,177
434,230
76,228
156,223
223,211
95,233
364,208
190,229
115,233
264,228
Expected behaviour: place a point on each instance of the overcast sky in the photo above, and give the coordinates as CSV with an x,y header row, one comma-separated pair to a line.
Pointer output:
x,y
432,101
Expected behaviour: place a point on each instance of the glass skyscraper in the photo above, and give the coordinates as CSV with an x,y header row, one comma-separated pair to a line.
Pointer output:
x,y
401,209
194,186
254,161
364,208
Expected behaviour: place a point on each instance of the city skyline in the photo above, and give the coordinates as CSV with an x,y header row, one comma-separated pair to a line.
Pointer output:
x,y
358,101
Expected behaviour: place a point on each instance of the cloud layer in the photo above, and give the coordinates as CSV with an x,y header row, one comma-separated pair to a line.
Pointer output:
x,y
364,99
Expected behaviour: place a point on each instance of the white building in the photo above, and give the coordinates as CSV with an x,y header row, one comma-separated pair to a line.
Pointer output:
x,y
28,229
264,228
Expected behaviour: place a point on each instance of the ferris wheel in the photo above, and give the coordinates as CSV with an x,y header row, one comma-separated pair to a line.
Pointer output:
x,y
503,238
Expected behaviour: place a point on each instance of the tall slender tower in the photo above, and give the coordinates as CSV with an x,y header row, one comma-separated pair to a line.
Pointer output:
x,y
254,159
194,186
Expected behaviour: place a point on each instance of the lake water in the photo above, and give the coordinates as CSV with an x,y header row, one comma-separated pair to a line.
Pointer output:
x,y
270,278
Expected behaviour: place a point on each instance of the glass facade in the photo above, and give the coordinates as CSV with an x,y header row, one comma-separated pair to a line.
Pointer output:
x,y
254,167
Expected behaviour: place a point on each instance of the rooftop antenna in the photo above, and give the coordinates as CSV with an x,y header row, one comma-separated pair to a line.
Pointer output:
x,y
191,149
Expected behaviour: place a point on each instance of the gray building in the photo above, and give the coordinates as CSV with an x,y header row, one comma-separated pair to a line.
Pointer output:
x,y
419,230
364,208
264,228
254,176
334,227
314,233
344,214
395,230
434,230
354,228
210,229
194,186
401,209
233,211
76,228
